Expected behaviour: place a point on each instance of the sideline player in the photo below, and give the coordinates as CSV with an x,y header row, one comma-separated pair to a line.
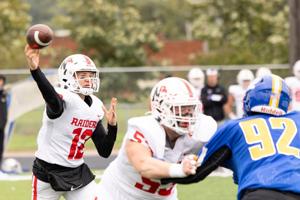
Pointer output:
x,y
293,83
262,71
214,96
262,149
236,94
196,78
72,116
158,145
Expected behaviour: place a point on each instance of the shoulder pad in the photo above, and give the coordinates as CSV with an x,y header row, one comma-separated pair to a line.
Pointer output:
x,y
205,128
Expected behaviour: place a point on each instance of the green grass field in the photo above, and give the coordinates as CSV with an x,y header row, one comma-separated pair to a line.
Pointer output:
x,y
212,188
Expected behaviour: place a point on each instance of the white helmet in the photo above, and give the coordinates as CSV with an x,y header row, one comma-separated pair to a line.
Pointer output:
x,y
262,71
244,75
196,77
169,99
11,166
68,78
296,69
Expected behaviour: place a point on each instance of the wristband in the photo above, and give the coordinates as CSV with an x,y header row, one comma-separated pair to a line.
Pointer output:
x,y
176,171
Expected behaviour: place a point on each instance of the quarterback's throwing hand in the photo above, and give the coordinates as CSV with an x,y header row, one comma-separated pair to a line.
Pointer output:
x,y
32,57
110,114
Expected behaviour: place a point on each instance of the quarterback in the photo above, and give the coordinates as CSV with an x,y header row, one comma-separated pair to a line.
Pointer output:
x,y
72,116
159,145
236,94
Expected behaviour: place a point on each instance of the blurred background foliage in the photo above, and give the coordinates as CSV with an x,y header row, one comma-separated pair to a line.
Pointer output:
x,y
119,32
14,20
115,32
243,31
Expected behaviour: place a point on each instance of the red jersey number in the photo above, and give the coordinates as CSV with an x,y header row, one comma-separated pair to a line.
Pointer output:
x,y
152,187
76,149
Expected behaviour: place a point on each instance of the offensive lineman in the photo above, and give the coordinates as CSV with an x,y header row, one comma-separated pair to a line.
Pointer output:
x,y
237,93
293,83
158,145
72,116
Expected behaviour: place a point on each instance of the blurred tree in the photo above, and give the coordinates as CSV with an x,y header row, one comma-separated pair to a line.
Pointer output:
x,y
43,11
250,31
294,42
113,34
14,20
173,16
116,35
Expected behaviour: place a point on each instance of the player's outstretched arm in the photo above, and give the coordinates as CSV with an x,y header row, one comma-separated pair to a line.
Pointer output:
x,y
52,99
215,160
140,156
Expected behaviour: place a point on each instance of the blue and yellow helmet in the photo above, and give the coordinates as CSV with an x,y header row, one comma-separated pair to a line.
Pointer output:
x,y
269,94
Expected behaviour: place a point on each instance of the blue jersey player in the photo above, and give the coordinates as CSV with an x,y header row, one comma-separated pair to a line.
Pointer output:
x,y
262,148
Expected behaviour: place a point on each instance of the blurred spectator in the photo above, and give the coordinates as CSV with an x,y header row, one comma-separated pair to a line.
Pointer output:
x,y
236,94
262,71
3,114
293,83
196,78
213,96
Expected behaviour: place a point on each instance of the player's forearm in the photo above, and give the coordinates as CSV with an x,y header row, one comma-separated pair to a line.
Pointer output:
x,y
103,141
54,102
154,168
141,158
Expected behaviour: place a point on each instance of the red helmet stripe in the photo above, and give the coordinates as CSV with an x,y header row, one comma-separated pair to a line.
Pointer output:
x,y
188,88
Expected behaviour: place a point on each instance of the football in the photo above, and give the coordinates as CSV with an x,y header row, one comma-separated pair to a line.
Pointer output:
x,y
39,36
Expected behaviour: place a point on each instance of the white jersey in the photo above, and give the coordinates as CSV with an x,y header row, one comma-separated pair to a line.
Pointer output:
x,y
121,181
61,141
238,94
294,85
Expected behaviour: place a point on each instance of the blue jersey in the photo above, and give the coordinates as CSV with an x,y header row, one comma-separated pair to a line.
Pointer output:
x,y
265,151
